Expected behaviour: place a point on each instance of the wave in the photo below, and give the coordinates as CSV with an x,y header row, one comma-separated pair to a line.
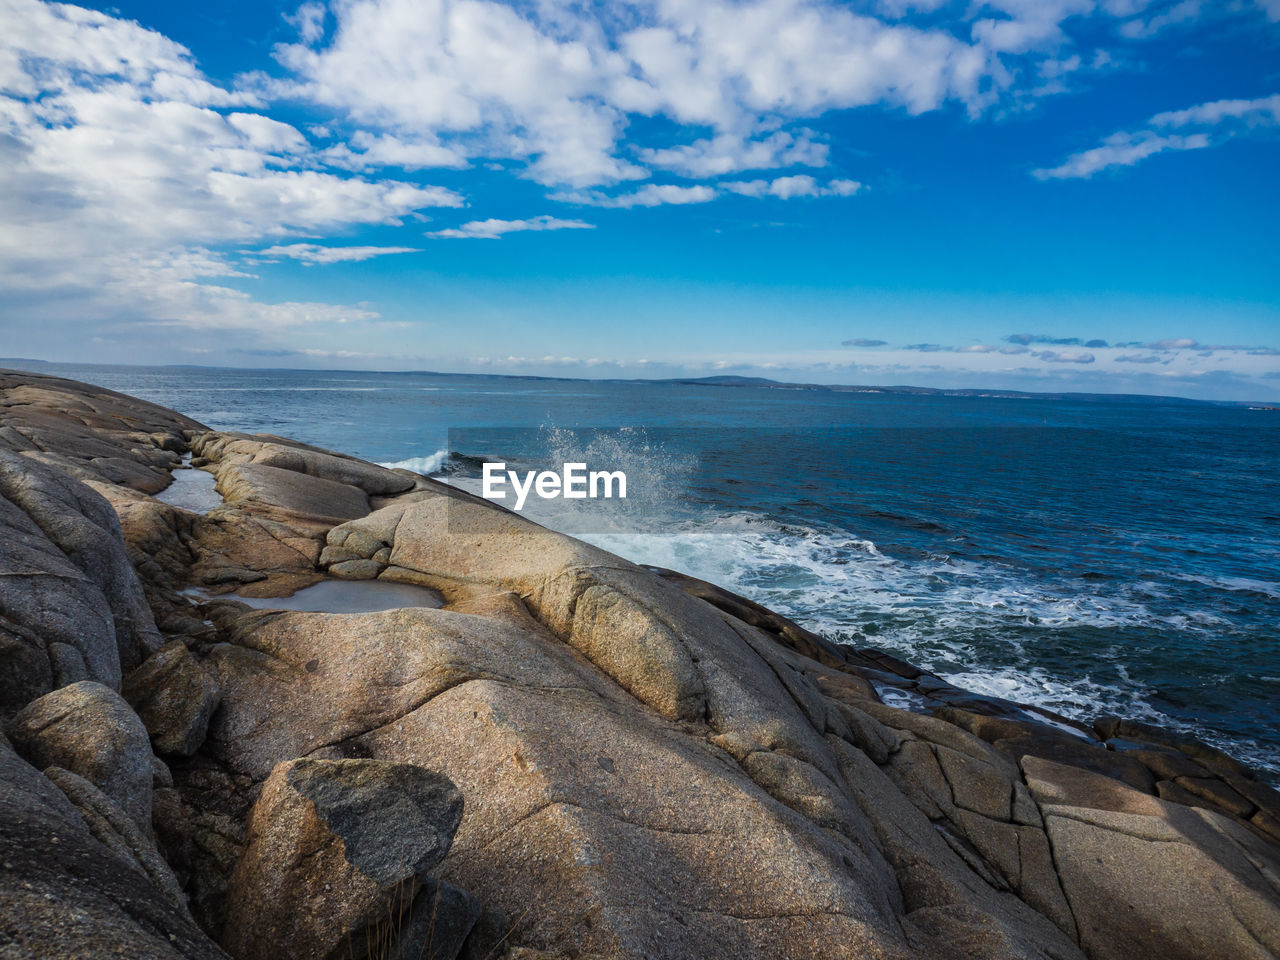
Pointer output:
x,y
981,626
1083,647
1235,584
423,465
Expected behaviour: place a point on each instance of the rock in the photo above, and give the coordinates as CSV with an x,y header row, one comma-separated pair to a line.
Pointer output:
x,y
289,455
67,895
1167,764
175,698
90,730
336,854
84,527
72,606
232,547
1213,792
1020,739
1146,877
356,570
1065,785
56,628
284,492
1178,886
91,430
112,827
653,766
1205,755
436,926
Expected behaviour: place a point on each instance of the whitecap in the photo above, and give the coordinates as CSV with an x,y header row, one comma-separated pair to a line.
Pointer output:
x,y
423,465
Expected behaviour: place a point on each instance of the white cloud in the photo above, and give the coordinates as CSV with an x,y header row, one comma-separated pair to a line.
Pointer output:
x,y
267,135
1027,25
310,253
552,87
1187,11
389,151
122,175
1263,111
494,229
1120,150
800,185
309,21
417,70
730,153
650,195
655,195
1206,125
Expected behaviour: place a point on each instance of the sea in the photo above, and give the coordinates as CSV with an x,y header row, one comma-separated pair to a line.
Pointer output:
x,y
1088,554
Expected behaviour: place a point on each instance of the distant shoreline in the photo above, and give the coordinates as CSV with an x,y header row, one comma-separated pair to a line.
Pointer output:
x,y
764,383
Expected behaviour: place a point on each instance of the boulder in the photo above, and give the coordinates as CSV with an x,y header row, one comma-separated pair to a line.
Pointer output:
x,y
55,626
291,494
90,730
112,827
175,698
82,525
289,455
337,858
65,894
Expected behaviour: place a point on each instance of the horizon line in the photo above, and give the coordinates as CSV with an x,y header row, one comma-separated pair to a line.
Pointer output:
x,y
738,381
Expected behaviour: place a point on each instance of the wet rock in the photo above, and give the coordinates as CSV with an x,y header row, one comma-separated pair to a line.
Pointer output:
x,y
1207,756
337,850
175,698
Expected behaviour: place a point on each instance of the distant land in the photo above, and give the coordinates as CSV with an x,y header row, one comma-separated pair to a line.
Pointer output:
x,y
761,383
766,383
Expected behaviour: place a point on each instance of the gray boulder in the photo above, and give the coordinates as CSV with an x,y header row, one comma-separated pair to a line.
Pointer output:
x,y
67,895
84,527
89,729
175,698
336,859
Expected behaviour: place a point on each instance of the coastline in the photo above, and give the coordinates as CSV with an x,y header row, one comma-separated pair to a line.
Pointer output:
x,y
648,765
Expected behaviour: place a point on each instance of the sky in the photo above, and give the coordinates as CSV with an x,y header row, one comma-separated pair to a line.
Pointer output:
x,y
1021,194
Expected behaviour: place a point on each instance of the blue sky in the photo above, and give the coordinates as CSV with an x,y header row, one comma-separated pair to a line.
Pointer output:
x,y
1033,194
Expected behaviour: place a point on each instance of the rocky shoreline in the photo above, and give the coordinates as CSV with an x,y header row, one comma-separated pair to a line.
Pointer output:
x,y
571,757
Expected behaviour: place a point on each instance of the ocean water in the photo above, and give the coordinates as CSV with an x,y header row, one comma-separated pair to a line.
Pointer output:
x,y
1089,555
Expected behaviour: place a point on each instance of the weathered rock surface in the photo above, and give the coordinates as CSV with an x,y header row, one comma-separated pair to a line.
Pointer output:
x,y
336,857
71,606
90,730
67,895
652,767
175,697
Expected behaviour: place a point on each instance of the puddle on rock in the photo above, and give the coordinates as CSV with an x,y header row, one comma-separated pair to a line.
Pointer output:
x,y
192,489
347,596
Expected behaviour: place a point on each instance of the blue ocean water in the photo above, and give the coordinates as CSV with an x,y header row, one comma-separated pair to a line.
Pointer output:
x,y
1089,555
